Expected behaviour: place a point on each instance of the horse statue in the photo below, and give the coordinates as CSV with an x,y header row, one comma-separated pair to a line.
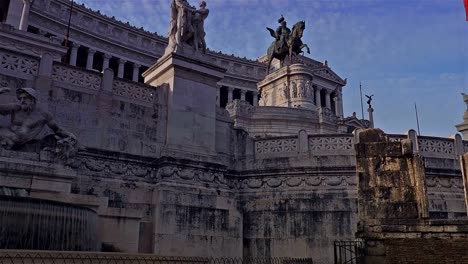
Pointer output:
x,y
291,47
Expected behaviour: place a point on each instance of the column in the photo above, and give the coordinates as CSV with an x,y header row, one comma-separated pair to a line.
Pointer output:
x,y
340,103
243,92
105,63
90,60
74,53
120,72
230,94
24,22
318,102
136,71
327,99
255,99
337,104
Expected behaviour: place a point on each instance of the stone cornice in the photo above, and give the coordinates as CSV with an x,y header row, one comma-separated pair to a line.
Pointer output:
x,y
93,40
28,43
112,20
327,73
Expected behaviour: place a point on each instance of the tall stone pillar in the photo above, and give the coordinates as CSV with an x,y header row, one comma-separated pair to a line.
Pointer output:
x,y
243,92
24,22
318,98
371,116
74,53
336,99
230,94
105,63
90,59
191,117
136,71
120,72
340,104
327,99
15,10
255,99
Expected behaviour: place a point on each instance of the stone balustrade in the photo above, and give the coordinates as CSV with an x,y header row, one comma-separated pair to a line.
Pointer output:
x,y
343,144
132,90
18,65
75,78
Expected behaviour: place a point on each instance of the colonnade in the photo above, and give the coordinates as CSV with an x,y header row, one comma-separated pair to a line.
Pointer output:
x,y
226,94
135,73
327,98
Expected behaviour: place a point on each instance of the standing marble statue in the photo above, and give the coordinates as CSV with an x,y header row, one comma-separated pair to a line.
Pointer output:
x,y
187,26
293,90
27,120
199,27
286,92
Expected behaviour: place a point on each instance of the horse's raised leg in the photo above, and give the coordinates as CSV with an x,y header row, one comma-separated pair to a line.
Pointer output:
x,y
269,64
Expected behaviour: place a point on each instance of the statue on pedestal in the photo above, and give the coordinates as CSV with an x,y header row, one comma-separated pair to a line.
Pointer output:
x,y
187,26
27,120
287,42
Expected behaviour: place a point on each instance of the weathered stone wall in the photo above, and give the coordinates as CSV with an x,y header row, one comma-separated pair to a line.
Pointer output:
x,y
297,223
427,250
393,205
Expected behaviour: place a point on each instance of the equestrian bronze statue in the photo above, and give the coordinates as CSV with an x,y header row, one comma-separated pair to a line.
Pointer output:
x,y
287,42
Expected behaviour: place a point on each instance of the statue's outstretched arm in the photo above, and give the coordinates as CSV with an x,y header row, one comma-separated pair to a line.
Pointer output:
x,y
59,131
6,109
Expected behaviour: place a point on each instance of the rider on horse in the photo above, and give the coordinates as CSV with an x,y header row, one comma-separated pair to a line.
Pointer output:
x,y
287,43
282,34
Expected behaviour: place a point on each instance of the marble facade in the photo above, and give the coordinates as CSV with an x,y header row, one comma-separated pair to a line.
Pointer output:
x,y
179,156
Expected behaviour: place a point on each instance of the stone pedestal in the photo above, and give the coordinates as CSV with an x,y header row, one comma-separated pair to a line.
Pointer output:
x,y
192,92
290,86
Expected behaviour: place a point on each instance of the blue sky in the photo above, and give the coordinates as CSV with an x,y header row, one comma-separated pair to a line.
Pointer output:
x,y
403,51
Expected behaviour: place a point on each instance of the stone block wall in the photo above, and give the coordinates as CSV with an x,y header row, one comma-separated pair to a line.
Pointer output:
x,y
393,206
430,251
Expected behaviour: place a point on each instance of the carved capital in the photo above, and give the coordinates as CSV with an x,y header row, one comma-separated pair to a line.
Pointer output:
x,y
136,65
122,61
107,56
75,45
91,51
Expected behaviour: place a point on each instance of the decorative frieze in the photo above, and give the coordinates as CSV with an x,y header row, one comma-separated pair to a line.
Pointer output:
x,y
311,182
448,182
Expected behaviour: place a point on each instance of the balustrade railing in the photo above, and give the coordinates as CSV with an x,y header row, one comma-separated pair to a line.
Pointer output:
x,y
343,144
76,76
51,257
18,65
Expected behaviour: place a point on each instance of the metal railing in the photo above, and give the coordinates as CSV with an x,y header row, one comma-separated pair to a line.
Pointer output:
x,y
31,257
349,252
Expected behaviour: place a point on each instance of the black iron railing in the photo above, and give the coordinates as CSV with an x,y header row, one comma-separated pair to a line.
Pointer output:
x,y
349,252
17,257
